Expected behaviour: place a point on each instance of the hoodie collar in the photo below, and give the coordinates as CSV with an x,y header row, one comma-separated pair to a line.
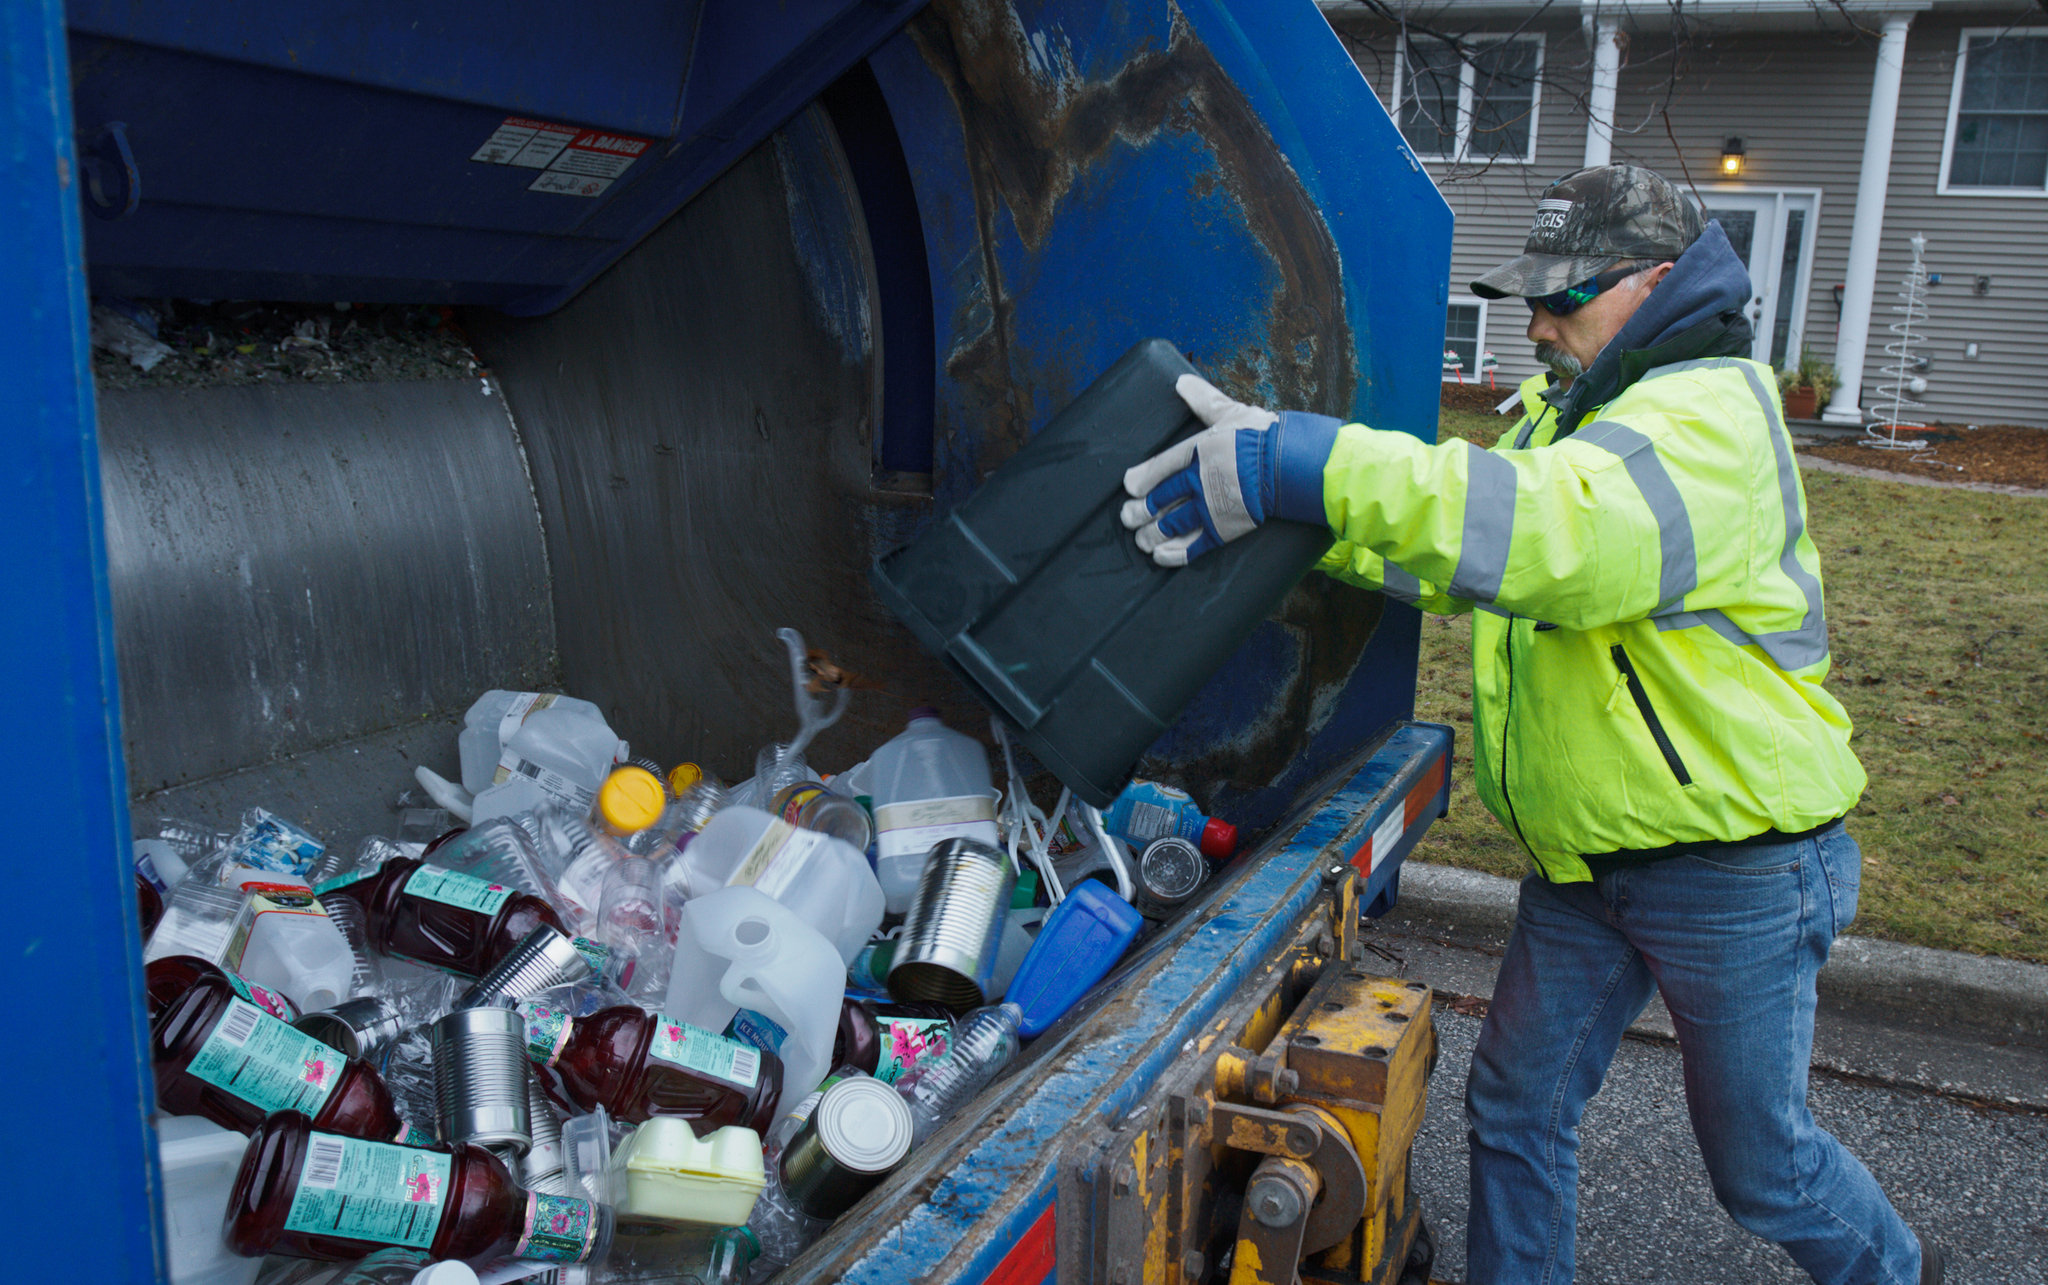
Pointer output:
x,y
1697,311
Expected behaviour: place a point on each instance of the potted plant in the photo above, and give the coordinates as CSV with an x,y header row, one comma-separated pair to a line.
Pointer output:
x,y
1806,388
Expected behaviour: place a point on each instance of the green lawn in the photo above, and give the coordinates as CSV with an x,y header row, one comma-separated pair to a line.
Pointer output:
x,y
1938,606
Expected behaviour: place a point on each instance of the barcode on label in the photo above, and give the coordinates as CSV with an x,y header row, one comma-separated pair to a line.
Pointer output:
x,y
746,1065
323,1162
529,770
1150,821
239,1024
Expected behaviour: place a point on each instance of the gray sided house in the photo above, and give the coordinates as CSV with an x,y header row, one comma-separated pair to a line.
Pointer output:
x,y
1824,136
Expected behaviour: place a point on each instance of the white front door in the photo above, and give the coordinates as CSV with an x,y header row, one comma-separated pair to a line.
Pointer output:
x,y
1772,231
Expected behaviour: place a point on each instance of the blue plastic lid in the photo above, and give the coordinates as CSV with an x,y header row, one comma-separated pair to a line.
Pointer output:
x,y
1082,940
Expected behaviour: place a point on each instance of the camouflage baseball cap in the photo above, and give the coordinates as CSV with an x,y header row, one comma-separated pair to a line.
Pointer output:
x,y
1589,221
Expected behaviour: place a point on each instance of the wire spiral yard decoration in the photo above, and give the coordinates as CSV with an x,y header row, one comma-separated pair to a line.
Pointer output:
x,y
1900,373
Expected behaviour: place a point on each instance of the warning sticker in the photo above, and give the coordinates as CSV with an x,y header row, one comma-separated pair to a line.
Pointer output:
x,y
572,161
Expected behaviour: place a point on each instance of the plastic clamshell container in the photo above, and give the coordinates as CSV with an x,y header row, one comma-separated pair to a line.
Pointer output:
x,y
665,1171
199,1163
1037,597
1082,939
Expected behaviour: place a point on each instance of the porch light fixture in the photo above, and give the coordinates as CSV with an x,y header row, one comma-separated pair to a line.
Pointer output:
x,y
1731,157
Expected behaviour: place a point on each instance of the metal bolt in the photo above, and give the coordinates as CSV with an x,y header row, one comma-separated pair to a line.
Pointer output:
x,y
1275,1202
1198,1112
1288,1081
1326,945
1192,1264
1122,1179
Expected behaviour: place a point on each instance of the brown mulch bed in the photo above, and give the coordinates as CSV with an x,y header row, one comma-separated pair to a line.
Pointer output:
x,y
2005,454
1476,396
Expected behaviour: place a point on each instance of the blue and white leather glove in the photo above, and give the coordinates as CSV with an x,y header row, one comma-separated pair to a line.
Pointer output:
x,y
1248,466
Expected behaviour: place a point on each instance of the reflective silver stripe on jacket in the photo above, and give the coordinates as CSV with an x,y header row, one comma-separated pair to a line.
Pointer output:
x,y
1789,649
1489,525
1399,584
1680,574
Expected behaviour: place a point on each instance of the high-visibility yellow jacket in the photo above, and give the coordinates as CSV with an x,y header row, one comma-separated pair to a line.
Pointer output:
x,y
1648,643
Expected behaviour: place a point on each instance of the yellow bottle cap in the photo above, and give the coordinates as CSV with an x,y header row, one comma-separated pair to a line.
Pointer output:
x,y
683,777
631,799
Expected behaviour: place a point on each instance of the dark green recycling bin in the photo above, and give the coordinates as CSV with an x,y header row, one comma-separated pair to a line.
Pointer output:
x,y
1035,594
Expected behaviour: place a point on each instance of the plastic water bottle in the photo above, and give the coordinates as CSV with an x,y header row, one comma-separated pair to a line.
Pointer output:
x,y
1147,810
497,851
560,754
929,783
983,1044
580,857
630,925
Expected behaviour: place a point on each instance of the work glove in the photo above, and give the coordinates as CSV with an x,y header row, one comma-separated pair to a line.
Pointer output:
x,y
1247,466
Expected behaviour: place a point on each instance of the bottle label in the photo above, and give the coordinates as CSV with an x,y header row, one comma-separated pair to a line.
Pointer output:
x,y
266,1062
260,899
1149,821
596,954
515,714
411,1135
374,1191
794,798
560,788
774,870
326,886
696,1049
909,1041
910,829
561,1228
757,1029
453,888
278,1006
547,1030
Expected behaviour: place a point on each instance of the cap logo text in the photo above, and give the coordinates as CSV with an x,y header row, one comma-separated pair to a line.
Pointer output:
x,y
1551,212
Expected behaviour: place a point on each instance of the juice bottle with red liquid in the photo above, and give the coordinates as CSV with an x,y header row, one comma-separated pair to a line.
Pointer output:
x,y
441,918
636,1065
163,980
149,904
886,1040
217,1055
312,1194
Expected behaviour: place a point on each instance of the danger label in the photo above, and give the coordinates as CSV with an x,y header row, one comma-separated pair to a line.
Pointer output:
x,y
572,161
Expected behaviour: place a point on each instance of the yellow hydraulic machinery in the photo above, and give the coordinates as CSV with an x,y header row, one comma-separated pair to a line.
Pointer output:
x,y
1277,1149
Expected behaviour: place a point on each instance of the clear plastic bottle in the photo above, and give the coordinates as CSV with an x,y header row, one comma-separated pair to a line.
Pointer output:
x,y
929,783
499,851
630,925
580,856
983,1045
782,1230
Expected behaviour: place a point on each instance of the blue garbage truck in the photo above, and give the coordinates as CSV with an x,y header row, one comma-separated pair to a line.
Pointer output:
x,y
756,292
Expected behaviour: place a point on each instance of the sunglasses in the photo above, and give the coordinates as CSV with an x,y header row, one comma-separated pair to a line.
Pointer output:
x,y
1569,300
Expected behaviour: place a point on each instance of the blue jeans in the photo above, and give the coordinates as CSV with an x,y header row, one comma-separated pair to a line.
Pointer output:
x,y
1733,940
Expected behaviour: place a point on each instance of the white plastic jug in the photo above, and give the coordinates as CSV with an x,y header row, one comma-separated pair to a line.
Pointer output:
x,y
826,881
559,753
740,948
928,783
292,946
199,1163
493,720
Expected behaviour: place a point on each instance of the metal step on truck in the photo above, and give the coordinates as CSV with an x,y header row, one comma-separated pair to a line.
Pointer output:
x,y
755,294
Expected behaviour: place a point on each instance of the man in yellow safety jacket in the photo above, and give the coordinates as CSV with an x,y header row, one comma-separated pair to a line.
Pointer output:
x,y
1649,720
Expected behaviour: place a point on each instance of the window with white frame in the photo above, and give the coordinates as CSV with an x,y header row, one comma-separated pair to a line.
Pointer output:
x,y
1465,339
1998,114
1469,100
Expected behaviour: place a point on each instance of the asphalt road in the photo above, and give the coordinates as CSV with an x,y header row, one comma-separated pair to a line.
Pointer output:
x,y
1972,1178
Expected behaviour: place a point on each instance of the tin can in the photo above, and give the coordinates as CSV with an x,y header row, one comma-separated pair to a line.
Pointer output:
x,y
360,1027
954,929
480,1079
856,1134
1170,870
547,958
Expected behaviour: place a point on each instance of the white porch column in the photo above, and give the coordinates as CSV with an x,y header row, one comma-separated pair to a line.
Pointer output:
x,y
1860,282
1600,96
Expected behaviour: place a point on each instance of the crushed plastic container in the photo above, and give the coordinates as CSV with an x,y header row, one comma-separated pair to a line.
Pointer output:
x,y
1035,595
560,753
199,1161
664,1170
826,881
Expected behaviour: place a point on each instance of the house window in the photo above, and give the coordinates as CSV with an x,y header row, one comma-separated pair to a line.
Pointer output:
x,y
1473,100
1998,115
1464,336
